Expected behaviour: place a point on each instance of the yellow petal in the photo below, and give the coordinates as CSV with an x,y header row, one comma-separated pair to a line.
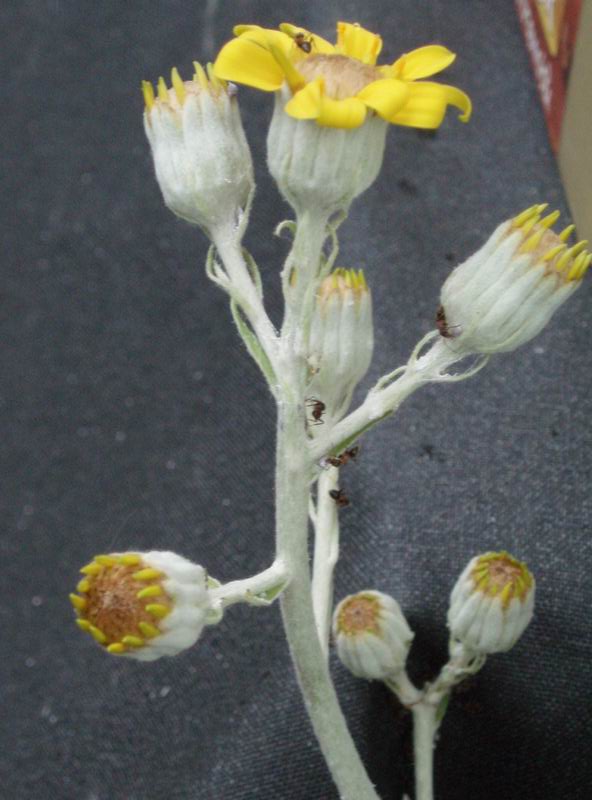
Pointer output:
x,y
357,42
306,104
427,105
348,113
318,44
294,78
385,97
264,37
423,62
245,61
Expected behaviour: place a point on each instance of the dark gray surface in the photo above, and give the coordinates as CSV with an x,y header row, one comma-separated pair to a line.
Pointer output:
x,y
134,418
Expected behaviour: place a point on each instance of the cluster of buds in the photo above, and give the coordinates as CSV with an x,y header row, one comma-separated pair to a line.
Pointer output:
x,y
142,605
340,340
201,156
372,635
506,293
491,603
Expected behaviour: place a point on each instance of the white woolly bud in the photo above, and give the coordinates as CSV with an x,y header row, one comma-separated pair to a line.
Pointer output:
x,y
142,605
320,168
201,156
340,341
491,603
372,635
508,291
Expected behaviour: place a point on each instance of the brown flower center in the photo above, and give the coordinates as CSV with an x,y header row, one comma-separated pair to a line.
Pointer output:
x,y
112,604
359,614
344,77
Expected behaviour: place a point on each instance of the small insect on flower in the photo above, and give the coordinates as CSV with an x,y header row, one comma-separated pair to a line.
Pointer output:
x,y
303,41
340,497
343,458
318,409
446,330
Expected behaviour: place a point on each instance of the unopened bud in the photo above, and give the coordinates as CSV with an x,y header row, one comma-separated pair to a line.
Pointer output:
x,y
491,603
341,340
142,605
372,635
201,156
507,292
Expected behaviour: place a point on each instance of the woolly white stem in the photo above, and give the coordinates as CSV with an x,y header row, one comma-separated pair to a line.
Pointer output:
x,y
245,292
259,589
424,730
326,553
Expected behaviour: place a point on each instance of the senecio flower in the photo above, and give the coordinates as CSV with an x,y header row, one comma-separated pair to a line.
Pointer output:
x,y
339,85
506,293
491,603
372,635
201,156
142,605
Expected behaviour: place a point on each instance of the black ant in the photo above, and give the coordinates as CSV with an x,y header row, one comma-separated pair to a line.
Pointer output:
x,y
340,497
343,458
318,409
446,330
303,42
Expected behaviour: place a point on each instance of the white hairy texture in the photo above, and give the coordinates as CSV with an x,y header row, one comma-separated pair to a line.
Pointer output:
x,y
185,583
201,156
377,655
499,298
481,622
321,167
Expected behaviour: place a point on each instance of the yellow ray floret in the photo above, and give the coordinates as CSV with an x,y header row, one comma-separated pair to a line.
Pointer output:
x,y
339,85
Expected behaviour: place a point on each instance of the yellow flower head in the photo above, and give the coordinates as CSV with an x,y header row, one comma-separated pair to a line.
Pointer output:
x,y
337,85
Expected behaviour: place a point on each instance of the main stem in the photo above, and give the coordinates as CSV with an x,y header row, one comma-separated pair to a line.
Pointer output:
x,y
424,730
317,689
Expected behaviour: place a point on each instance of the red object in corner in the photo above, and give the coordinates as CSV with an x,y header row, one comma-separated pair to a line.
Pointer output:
x,y
550,28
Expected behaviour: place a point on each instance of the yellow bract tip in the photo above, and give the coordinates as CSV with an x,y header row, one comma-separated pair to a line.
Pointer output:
x,y
91,569
550,219
157,610
129,559
530,223
577,268
133,641
147,574
200,75
149,591
149,631
83,624
83,585
163,92
554,251
97,634
148,92
524,215
178,85
78,602
106,561
541,207
117,648
567,232
506,594
532,242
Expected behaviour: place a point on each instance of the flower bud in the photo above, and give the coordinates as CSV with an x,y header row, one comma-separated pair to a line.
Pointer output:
x,y
372,635
509,290
143,605
201,156
491,603
322,169
340,341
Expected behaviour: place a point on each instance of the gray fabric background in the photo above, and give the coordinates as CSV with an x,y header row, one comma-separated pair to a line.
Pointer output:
x,y
134,418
